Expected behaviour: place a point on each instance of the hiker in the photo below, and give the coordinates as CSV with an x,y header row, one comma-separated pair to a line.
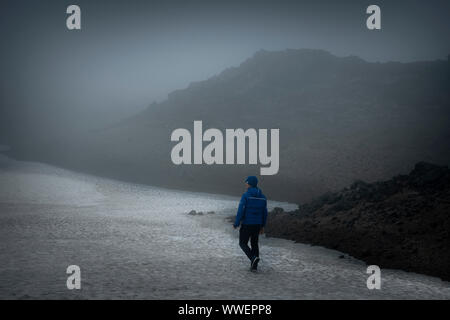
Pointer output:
x,y
252,216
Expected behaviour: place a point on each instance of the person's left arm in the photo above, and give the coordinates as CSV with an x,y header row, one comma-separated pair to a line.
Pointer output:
x,y
240,211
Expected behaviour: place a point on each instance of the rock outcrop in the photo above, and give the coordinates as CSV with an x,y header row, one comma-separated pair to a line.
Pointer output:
x,y
402,223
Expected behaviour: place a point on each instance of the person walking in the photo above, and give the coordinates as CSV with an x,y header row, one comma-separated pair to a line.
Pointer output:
x,y
252,217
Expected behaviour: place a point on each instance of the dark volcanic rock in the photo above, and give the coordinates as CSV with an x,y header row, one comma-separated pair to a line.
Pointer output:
x,y
340,119
402,223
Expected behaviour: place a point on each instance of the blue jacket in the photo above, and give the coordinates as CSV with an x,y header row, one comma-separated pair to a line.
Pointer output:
x,y
252,208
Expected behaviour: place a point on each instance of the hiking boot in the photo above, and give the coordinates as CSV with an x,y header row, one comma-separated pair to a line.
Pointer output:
x,y
254,265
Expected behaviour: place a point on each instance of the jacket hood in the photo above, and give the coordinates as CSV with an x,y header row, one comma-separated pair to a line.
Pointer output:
x,y
254,191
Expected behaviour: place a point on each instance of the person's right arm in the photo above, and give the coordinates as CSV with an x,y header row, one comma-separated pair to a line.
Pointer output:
x,y
264,220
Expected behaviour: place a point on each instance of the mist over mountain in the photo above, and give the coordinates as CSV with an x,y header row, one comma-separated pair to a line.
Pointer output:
x,y
341,119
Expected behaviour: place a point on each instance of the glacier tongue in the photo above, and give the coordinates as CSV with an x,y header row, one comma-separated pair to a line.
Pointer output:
x,y
135,241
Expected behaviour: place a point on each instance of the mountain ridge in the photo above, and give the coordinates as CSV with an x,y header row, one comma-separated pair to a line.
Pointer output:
x,y
340,118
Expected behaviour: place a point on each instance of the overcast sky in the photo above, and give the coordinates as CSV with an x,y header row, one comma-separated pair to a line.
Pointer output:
x,y
130,53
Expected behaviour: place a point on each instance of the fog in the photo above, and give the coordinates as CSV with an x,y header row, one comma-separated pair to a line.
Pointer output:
x,y
56,83
131,53
86,118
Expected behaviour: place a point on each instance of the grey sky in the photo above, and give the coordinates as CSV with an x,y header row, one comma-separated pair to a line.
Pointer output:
x,y
130,53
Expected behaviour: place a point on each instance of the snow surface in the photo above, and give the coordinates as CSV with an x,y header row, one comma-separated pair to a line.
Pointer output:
x,y
138,242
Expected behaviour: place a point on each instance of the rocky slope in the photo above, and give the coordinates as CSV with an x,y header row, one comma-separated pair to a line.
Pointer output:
x,y
402,223
340,119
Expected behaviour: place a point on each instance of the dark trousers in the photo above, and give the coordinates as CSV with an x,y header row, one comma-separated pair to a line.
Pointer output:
x,y
246,232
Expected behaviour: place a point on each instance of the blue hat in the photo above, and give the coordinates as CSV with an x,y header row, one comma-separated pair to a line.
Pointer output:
x,y
252,180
